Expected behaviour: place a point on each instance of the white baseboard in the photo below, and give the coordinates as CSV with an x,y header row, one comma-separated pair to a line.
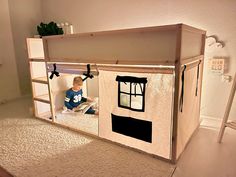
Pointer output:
x,y
211,122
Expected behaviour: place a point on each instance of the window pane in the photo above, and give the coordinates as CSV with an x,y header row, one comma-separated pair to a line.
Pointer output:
x,y
124,100
138,88
136,102
125,87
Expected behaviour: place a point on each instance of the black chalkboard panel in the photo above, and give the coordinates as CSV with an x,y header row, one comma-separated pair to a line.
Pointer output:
x,y
139,129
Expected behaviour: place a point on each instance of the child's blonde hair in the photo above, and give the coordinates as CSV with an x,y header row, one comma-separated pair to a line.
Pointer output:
x,y
78,80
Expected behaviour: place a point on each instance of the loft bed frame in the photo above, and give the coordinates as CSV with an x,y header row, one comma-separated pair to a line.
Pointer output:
x,y
171,49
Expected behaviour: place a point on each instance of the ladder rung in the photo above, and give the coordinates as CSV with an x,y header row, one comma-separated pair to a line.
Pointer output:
x,y
231,125
37,59
234,123
42,98
42,80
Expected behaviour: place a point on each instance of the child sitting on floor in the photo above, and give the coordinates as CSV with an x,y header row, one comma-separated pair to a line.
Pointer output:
x,y
74,96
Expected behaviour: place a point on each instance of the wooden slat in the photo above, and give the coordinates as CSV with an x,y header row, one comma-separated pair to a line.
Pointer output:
x,y
42,98
133,30
176,97
192,59
120,31
93,66
52,105
192,29
137,70
203,43
80,60
37,59
192,65
193,62
42,80
114,61
146,62
78,68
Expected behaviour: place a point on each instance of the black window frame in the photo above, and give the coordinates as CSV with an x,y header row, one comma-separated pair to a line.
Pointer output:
x,y
131,80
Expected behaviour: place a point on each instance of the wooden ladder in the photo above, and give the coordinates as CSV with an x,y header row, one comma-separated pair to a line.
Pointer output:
x,y
225,122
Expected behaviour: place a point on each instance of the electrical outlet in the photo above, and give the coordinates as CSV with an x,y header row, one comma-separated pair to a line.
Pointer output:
x,y
216,65
226,78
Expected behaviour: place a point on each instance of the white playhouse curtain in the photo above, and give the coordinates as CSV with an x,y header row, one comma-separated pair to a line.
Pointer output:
x,y
158,107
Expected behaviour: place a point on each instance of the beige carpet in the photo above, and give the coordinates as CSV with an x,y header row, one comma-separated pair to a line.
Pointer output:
x,y
33,148
85,122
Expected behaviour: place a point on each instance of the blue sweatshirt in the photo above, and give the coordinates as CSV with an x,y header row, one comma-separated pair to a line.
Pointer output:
x,y
73,98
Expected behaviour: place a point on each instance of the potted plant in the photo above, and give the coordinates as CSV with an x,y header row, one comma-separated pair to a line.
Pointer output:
x,y
49,29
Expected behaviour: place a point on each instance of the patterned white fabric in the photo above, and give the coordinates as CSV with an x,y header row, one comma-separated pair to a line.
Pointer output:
x,y
158,110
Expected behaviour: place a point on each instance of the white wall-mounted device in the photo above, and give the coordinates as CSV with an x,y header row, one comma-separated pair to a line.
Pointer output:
x,y
217,65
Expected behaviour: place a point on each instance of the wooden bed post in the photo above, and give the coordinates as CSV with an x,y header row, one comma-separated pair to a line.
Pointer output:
x,y
176,93
225,122
181,60
46,56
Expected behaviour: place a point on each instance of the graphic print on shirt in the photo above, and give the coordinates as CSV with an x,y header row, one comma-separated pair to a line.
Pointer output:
x,y
77,98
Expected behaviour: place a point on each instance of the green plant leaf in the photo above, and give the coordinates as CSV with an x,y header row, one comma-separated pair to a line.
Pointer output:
x,y
49,29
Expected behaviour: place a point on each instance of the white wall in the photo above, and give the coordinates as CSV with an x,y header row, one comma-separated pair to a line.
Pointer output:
x,y
9,88
25,15
215,16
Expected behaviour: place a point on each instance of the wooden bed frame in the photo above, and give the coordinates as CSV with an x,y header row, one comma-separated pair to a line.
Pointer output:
x,y
172,47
